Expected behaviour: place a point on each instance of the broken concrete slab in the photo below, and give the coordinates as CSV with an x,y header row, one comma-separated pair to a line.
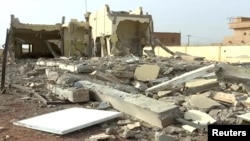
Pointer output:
x,y
105,76
146,72
233,74
76,68
199,117
121,74
157,113
72,94
183,78
202,103
245,117
225,97
67,120
200,85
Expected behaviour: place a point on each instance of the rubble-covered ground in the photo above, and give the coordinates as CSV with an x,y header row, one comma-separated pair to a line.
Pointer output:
x,y
205,97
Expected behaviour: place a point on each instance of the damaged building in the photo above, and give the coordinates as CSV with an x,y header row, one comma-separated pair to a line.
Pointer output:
x,y
120,32
104,32
32,40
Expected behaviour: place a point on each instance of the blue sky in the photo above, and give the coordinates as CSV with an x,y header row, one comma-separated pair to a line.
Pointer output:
x,y
205,20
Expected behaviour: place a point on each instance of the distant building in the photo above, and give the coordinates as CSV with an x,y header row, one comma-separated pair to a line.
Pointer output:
x,y
241,27
168,38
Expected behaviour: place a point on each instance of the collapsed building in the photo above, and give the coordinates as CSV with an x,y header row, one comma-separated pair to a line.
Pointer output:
x,y
104,32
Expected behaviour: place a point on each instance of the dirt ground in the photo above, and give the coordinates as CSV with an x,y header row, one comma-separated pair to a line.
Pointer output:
x,y
12,108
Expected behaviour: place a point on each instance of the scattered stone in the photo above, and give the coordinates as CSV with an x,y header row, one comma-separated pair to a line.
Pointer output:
x,y
127,133
199,117
123,122
100,137
103,105
121,74
189,128
172,129
146,72
139,85
110,131
164,93
225,97
134,125
246,103
202,103
235,87
214,113
163,137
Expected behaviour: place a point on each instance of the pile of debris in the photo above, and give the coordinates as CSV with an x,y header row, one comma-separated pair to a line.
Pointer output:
x,y
162,98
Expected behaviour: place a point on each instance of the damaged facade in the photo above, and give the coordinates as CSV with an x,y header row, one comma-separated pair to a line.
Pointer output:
x,y
120,32
104,32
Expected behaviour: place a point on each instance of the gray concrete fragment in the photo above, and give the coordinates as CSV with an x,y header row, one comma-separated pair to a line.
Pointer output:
x,y
163,137
71,94
146,72
103,105
202,103
200,85
157,113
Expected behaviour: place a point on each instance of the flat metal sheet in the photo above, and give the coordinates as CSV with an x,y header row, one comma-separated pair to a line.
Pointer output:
x,y
68,120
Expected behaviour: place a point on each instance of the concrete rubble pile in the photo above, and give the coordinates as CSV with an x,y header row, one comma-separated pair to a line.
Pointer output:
x,y
161,98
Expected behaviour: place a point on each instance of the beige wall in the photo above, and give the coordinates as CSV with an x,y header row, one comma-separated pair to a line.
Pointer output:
x,y
233,54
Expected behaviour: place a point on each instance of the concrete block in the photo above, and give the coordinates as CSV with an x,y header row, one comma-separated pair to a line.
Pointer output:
x,y
105,76
199,117
226,98
202,103
122,74
72,94
200,85
146,72
152,111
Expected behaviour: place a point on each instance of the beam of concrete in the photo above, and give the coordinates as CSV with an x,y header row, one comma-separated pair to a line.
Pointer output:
x,y
154,112
200,85
183,78
72,94
233,74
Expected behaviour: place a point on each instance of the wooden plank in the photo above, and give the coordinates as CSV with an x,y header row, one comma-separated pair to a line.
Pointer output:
x,y
183,78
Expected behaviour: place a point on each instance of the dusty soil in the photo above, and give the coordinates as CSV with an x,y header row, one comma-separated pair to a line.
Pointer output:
x,y
13,108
